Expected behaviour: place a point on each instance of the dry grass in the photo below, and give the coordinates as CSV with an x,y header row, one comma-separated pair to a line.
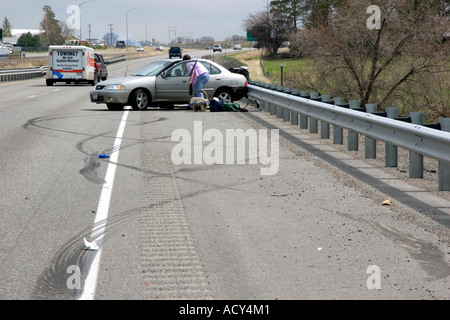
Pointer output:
x,y
251,59
23,63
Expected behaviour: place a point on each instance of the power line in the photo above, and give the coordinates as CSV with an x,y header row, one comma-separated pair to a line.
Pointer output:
x,y
172,29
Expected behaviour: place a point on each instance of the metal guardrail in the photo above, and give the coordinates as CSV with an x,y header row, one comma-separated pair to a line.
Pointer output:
x,y
418,139
31,73
114,60
22,74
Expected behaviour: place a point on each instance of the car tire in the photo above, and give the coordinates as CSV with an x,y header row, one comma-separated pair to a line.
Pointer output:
x,y
96,79
225,94
140,100
114,106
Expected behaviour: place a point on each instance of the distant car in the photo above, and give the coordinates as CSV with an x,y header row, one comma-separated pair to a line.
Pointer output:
x,y
237,47
140,49
100,67
159,48
175,52
165,83
217,47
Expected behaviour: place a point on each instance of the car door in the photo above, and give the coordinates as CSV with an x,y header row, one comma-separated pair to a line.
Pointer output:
x,y
215,79
173,84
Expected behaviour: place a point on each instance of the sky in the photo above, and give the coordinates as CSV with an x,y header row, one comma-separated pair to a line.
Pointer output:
x,y
147,19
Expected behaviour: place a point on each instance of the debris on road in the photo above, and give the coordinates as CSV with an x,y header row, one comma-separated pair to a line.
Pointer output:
x,y
90,245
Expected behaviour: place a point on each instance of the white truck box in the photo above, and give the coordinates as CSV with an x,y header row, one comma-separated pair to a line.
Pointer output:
x,y
71,64
4,52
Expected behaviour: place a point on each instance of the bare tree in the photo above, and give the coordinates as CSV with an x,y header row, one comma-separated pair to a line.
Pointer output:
x,y
270,28
376,56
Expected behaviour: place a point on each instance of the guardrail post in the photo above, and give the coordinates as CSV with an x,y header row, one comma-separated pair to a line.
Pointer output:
x,y
391,151
304,118
325,126
415,159
280,110
262,105
286,112
370,145
266,104
272,107
338,133
313,123
444,167
353,136
294,115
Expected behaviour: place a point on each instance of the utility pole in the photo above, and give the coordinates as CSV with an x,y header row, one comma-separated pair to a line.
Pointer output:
x,y
172,29
81,39
110,34
126,16
89,31
146,42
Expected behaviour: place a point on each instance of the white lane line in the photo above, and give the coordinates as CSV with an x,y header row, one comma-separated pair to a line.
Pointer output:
x,y
101,216
30,97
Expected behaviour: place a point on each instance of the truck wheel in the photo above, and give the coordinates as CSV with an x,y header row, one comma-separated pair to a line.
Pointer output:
x,y
49,82
140,100
115,106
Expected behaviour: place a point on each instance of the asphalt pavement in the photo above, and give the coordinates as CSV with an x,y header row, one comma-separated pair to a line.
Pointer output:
x,y
177,229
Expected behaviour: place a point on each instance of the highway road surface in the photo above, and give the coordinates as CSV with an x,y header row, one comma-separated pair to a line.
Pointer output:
x,y
174,216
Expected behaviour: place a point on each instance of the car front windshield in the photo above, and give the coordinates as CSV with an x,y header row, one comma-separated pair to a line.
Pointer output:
x,y
152,69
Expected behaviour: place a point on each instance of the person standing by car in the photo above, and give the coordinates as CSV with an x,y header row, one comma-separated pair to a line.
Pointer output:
x,y
200,76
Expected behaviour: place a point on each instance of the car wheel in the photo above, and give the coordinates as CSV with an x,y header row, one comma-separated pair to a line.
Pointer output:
x,y
225,95
96,79
140,100
115,106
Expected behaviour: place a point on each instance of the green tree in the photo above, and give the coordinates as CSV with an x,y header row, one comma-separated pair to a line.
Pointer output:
x,y
29,40
316,13
52,34
290,10
6,26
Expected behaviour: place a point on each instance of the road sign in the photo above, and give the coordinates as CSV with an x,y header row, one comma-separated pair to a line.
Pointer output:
x,y
250,37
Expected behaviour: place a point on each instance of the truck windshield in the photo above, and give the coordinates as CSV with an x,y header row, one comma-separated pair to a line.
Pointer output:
x,y
152,69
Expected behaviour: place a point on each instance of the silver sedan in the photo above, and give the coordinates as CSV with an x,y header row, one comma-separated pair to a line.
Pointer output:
x,y
166,83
